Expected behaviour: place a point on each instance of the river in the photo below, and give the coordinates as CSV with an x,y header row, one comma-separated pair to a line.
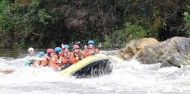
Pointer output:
x,y
128,77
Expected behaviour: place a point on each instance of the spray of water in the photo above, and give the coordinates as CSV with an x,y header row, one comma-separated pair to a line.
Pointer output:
x,y
126,77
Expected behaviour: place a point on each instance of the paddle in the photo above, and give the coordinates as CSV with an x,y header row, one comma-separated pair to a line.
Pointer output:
x,y
6,71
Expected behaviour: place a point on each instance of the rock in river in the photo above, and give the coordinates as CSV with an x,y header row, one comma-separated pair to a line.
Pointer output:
x,y
172,52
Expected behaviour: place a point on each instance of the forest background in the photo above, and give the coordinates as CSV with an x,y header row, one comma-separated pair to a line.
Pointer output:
x,y
111,23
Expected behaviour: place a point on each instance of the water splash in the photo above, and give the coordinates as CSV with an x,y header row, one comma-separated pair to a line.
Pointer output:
x,y
126,77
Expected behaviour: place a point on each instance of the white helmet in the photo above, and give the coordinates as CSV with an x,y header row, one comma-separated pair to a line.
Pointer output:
x,y
30,49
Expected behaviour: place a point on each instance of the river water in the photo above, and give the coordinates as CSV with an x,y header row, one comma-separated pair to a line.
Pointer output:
x,y
128,77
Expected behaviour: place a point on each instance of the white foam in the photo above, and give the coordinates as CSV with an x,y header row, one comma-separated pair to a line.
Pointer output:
x,y
128,76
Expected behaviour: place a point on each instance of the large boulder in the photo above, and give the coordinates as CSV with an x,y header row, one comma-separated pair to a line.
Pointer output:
x,y
177,60
172,52
134,46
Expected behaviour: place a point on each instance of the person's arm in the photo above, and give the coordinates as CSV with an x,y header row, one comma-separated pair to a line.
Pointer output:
x,y
62,46
38,58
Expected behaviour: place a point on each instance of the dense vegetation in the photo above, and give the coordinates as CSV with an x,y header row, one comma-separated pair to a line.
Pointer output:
x,y
48,23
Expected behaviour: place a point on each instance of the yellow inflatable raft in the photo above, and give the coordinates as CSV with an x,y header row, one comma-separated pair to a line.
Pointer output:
x,y
89,67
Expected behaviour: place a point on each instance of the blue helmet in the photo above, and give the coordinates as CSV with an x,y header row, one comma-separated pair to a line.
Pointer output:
x,y
57,49
40,54
66,46
91,42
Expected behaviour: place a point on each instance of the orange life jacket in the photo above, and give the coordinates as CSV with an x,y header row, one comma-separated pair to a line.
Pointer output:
x,y
73,59
74,56
85,53
89,52
53,62
46,61
65,60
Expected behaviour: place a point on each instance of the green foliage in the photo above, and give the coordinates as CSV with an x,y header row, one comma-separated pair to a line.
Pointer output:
x,y
107,42
3,4
187,16
46,23
187,20
163,18
120,37
22,23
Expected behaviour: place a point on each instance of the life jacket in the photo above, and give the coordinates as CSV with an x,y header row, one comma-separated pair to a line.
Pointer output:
x,y
53,61
73,56
66,57
73,59
89,52
46,61
86,53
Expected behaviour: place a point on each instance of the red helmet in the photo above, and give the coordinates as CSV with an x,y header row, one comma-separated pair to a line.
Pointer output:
x,y
76,47
50,51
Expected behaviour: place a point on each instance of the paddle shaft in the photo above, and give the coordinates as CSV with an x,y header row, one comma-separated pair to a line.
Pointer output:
x,y
6,71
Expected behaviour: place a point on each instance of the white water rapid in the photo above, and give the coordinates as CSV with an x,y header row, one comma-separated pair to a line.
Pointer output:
x,y
128,77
